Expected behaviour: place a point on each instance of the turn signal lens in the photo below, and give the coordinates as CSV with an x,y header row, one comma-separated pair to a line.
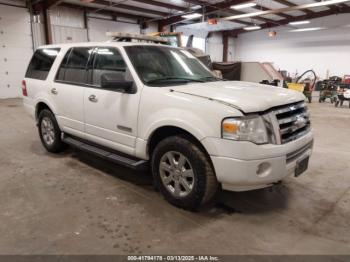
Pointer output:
x,y
230,128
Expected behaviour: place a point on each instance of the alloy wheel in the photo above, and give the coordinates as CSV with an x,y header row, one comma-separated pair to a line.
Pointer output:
x,y
47,131
176,174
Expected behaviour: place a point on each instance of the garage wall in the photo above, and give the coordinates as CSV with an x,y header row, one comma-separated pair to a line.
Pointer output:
x,y
67,25
215,47
325,51
98,27
16,49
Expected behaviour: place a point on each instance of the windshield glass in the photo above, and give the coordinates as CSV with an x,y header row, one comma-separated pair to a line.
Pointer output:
x,y
162,66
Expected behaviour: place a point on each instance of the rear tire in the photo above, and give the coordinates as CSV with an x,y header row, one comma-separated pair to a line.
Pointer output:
x,y
183,173
49,132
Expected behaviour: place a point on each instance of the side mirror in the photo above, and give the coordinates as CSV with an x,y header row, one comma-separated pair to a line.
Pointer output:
x,y
117,82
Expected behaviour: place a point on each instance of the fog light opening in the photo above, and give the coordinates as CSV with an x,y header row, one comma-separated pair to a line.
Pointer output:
x,y
263,169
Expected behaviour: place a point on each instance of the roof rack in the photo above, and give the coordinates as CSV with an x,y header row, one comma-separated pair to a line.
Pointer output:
x,y
126,37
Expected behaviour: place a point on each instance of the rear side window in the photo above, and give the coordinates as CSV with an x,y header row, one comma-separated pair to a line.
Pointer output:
x,y
41,63
73,66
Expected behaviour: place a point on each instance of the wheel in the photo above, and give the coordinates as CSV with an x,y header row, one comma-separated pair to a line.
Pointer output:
x,y
183,173
49,132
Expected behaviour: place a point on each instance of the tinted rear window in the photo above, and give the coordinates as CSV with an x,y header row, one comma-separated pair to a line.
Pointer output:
x,y
41,63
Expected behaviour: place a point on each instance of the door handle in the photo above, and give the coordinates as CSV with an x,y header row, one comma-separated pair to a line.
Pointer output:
x,y
93,98
54,91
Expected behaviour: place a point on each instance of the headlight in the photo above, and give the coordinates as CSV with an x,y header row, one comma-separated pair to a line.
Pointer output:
x,y
245,129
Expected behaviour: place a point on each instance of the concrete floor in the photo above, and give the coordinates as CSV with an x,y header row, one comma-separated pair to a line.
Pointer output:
x,y
74,204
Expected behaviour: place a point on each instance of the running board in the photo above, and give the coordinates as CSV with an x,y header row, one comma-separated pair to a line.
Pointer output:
x,y
133,163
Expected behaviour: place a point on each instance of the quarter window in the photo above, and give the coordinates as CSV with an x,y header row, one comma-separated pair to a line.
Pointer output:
x,y
41,63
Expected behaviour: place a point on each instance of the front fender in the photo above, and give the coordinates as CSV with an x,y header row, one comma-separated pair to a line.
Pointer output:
x,y
198,116
170,117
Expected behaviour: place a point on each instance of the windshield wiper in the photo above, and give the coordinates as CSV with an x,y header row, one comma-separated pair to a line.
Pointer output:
x,y
177,79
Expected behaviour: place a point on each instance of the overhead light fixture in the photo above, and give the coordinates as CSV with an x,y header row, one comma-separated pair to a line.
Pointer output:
x,y
87,1
307,29
250,28
285,9
192,16
299,22
242,6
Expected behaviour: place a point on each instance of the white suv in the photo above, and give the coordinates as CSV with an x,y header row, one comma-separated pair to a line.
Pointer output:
x,y
141,105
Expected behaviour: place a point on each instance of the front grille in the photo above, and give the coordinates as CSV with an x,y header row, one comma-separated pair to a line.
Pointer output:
x,y
293,121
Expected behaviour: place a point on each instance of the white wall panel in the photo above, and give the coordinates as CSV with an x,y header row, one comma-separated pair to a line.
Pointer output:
x,y
98,28
324,51
63,16
152,28
197,42
65,34
15,49
215,47
67,25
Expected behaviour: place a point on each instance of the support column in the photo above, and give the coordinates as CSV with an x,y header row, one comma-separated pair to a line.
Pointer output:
x,y
225,46
47,26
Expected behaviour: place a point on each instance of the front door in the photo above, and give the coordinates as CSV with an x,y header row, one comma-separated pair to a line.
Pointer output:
x,y
110,115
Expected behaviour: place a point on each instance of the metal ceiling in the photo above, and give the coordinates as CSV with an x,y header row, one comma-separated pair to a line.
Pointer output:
x,y
169,12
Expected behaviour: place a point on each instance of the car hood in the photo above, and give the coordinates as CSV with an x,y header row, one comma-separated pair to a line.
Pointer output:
x,y
245,96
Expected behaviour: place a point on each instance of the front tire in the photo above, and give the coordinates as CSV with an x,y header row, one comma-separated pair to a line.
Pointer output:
x,y
183,173
49,132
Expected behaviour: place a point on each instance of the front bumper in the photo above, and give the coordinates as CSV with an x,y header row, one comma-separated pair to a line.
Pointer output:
x,y
241,166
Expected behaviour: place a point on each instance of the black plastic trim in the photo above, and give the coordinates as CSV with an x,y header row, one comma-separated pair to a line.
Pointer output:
x,y
106,153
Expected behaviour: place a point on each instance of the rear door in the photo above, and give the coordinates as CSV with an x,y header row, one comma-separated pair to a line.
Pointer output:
x,y
68,90
110,115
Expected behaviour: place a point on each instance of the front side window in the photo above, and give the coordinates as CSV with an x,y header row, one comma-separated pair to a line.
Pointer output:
x,y
161,65
73,66
41,63
108,60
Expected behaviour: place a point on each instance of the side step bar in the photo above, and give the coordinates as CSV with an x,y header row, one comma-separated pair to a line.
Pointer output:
x,y
133,163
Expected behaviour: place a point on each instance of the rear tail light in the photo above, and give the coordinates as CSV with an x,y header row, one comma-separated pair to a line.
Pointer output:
x,y
24,88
